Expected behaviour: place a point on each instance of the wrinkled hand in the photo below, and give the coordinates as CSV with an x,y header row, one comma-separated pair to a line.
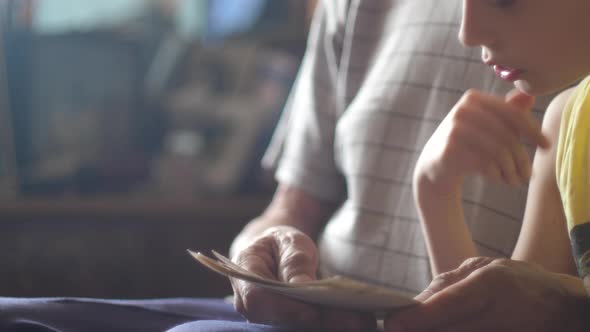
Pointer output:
x,y
286,254
484,294
482,136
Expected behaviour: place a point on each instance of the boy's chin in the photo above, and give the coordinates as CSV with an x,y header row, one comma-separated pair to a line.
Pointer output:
x,y
532,89
538,88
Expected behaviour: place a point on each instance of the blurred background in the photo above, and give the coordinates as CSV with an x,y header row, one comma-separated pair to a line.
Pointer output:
x,y
132,130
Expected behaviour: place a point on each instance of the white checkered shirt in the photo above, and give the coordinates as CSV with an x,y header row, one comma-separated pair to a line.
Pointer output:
x,y
377,79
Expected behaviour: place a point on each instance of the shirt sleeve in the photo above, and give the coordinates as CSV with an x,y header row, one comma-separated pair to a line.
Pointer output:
x,y
302,148
573,173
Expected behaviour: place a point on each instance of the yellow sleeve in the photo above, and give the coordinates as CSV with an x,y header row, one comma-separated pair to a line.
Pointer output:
x,y
573,173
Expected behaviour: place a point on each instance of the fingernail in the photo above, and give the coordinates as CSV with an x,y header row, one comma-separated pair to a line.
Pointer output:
x,y
300,278
527,173
523,86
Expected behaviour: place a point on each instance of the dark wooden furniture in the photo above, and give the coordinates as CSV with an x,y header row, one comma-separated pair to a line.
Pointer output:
x,y
116,248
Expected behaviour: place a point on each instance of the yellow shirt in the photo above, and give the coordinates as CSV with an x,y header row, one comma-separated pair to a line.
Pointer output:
x,y
573,173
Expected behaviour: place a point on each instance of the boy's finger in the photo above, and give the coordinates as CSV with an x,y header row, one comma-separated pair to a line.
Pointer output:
x,y
511,113
532,129
523,123
523,162
520,99
508,167
492,173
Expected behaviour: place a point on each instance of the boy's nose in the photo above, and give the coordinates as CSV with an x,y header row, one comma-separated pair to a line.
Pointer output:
x,y
476,29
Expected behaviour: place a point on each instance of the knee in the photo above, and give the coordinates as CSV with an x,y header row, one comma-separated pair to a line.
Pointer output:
x,y
206,326
223,326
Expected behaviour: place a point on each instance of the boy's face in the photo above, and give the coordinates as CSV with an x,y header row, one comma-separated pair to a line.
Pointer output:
x,y
541,45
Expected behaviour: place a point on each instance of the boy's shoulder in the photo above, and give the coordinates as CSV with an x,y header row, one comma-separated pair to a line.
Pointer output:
x,y
552,119
560,101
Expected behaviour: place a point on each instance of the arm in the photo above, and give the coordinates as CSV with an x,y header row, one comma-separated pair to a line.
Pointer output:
x,y
440,207
290,207
280,244
479,136
544,239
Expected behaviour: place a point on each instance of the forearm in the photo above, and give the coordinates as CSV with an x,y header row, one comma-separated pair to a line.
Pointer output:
x,y
290,207
448,239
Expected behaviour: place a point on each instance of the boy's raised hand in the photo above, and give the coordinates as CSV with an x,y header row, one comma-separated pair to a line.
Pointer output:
x,y
482,136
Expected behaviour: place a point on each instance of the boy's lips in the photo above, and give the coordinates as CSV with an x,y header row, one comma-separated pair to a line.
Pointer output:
x,y
507,73
503,72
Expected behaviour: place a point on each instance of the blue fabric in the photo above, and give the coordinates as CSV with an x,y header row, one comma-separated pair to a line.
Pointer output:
x,y
95,315
225,326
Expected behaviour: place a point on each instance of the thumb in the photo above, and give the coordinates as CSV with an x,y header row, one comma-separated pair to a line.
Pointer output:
x,y
298,267
296,255
302,277
520,99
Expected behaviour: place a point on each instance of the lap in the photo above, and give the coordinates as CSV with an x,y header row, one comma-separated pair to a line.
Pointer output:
x,y
89,315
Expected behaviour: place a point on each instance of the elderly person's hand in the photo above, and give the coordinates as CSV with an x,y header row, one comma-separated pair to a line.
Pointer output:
x,y
287,254
484,294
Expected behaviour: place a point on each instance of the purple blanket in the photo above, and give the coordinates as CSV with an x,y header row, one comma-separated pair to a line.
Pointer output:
x,y
94,315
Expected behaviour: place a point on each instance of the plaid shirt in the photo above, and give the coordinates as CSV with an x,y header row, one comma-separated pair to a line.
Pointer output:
x,y
377,79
